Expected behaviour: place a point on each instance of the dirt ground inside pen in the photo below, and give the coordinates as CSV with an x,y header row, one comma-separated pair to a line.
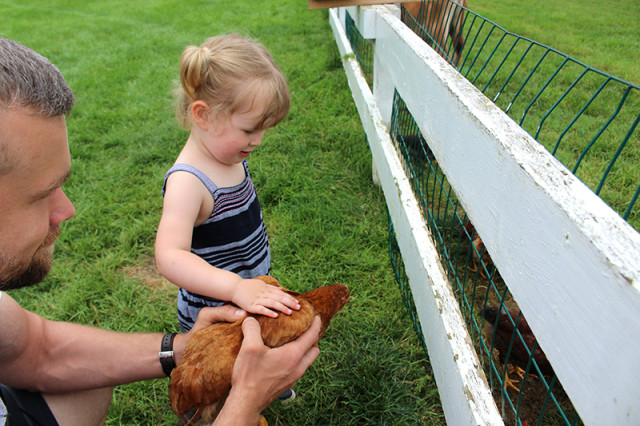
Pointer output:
x,y
534,404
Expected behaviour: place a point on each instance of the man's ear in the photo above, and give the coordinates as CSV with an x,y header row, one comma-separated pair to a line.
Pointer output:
x,y
200,114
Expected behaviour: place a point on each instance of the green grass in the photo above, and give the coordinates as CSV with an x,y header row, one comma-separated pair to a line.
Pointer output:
x,y
546,94
327,222
603,35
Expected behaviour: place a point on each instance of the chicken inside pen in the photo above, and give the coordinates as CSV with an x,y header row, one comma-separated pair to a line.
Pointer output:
x,y
508,331
481,260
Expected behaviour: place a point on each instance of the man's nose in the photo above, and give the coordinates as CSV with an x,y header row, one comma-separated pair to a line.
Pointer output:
x,y
62,208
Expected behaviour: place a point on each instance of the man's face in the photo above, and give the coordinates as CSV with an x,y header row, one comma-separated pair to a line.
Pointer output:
x,y
32,203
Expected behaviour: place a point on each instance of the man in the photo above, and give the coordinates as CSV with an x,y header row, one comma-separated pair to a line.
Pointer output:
x,y
54,372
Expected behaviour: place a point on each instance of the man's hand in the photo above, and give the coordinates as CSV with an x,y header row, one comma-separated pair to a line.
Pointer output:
x,y
206,317
260,373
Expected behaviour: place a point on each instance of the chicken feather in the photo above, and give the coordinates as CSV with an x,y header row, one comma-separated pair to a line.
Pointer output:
x,y
501,326
203,378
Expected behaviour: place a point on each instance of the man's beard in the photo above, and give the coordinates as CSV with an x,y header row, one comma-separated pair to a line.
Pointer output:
x,y
18,273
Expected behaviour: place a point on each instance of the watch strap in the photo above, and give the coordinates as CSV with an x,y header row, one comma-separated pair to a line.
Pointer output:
x,y
167,361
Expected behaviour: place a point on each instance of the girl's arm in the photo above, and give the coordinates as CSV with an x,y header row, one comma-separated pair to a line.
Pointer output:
x,y
183,208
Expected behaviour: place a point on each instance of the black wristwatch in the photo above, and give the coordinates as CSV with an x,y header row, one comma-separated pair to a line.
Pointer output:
x,y
166,353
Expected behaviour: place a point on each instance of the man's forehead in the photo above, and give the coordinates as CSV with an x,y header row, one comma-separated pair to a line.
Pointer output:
x,y
35,144
7,156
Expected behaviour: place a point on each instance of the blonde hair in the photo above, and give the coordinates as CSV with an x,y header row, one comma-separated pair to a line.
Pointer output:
x,y
230,72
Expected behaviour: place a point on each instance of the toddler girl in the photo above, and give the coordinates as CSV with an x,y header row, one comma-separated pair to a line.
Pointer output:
x,y
212,240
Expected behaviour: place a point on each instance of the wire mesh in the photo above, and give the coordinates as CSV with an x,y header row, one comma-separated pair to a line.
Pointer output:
x,y
362,48
440,23
401,278
586,118
504,342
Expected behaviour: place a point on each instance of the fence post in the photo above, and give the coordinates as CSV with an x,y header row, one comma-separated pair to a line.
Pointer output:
x,y
465,396
383,88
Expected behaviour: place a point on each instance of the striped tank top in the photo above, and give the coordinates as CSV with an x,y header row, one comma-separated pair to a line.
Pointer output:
x,y
233,238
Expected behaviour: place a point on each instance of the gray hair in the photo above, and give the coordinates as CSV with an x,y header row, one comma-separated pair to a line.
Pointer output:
x,y
28,79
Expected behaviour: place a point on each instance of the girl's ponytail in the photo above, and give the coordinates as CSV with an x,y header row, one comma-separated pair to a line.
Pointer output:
x,y
192,64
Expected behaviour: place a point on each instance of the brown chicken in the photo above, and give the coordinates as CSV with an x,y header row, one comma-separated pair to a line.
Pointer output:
x,y
497,319
203,379
439,19
479,252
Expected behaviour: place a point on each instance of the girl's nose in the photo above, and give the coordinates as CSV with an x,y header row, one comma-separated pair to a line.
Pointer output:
x,y
257,138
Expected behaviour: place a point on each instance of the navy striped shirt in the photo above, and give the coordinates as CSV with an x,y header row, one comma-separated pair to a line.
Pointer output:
x,y
233,238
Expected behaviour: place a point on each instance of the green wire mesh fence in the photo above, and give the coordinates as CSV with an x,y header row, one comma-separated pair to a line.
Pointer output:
x,y
523,383
362,48
586,118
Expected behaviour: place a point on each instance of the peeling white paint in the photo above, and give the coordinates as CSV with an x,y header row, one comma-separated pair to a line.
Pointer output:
x,y
571,262
462,386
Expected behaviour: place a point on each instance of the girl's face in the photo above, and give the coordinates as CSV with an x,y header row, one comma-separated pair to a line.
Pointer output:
x,y
231,140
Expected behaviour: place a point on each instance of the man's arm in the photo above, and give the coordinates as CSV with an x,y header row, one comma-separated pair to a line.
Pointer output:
x,y
50,356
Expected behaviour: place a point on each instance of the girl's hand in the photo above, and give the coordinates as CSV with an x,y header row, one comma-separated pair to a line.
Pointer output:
x,y
258,297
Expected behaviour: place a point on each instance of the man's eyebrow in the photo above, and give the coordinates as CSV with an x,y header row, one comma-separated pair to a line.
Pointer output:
x,y
56,184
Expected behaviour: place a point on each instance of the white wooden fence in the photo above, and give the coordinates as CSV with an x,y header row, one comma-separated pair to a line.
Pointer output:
x,y
570,261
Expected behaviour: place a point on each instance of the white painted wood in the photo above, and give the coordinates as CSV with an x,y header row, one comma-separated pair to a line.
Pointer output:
x,y
571,262
383,88
341,13
464,392
365,19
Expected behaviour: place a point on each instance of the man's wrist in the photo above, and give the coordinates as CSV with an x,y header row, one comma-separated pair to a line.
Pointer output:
x,y
239,409
166,356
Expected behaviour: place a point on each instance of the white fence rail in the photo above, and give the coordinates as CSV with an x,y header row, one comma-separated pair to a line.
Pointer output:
x,y
571,262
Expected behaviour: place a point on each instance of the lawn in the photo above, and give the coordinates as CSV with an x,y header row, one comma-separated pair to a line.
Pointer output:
x,y
327,222
587,119
605,36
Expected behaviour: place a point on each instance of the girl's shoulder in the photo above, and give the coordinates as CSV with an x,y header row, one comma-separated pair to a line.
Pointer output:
x,y
194,171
